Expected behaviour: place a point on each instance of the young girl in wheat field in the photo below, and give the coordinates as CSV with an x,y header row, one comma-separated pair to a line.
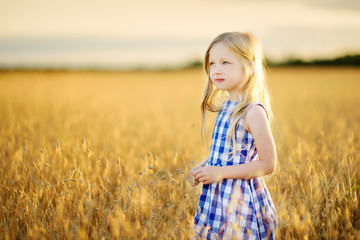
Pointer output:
x,y
235,203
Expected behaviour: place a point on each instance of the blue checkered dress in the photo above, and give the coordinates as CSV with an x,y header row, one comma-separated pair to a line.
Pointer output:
x,y
234,208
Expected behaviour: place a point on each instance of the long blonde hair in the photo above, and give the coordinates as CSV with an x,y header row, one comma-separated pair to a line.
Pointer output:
x,y
252,89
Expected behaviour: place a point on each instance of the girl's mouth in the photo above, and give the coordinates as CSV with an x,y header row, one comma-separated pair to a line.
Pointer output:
x,y
219,80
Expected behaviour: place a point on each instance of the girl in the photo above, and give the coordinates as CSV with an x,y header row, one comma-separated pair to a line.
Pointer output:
x,y
235,203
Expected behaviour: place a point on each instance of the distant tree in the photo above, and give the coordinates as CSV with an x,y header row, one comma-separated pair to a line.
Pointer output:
x,y
194,64
347,60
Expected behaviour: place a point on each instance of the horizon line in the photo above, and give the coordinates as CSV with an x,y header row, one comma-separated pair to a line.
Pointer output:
x,y
194,64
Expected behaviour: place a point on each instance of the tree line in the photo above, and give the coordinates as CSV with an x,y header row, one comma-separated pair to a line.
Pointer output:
x,y
346,60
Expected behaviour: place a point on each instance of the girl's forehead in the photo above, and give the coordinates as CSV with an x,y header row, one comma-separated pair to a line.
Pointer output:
x,y
221,50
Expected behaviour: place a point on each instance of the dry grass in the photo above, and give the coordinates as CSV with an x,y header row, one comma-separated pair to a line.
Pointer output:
x,y
105,155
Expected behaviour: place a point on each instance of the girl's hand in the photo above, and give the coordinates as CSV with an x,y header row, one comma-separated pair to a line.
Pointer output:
x,y
208,175
192,180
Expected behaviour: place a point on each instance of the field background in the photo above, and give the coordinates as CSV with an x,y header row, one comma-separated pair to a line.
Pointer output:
x,y
106,154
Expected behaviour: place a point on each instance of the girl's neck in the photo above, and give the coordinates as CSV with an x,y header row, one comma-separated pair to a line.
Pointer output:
x,y
234,98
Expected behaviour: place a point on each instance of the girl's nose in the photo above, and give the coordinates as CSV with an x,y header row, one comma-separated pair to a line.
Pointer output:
x,y
217,69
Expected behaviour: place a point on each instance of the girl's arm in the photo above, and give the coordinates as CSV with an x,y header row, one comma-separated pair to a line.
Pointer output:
x,y
256,122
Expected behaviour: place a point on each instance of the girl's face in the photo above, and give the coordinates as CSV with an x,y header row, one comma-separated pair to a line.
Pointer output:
x,y
225,70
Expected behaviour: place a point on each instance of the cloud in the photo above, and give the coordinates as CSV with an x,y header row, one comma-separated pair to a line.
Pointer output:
x,y
310,41
171,29
352,5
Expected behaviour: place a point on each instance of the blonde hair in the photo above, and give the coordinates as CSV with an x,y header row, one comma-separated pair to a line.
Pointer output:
x,y
252,89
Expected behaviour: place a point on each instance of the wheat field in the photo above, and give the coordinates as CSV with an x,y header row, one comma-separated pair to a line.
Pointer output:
x,y
105,155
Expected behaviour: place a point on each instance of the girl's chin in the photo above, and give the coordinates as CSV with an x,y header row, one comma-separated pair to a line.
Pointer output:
x,y
219,86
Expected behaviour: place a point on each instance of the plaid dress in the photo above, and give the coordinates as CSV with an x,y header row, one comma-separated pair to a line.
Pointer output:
x,y
234,208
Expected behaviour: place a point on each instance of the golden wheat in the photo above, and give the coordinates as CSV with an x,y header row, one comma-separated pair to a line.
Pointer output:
x,y
105,155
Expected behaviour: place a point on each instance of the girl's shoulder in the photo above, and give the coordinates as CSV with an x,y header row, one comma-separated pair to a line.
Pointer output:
x,y
255,112
256,107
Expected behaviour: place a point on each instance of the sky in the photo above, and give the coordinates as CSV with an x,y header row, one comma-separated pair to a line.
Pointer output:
x,y
163,33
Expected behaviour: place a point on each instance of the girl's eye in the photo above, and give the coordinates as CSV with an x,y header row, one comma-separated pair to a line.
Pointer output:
x,y
226,62
211,63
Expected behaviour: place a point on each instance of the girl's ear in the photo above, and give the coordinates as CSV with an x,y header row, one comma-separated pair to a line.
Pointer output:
x,y
250,69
